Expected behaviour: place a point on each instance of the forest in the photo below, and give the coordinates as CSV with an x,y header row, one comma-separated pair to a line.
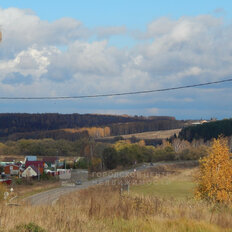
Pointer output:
x,y
40,126
207,131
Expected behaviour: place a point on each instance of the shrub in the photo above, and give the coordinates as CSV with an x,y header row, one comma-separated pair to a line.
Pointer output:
x,y
95,164
110,158
18,181
31,227
82,163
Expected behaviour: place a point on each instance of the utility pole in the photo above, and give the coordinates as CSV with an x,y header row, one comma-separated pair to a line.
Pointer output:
x,y
38,172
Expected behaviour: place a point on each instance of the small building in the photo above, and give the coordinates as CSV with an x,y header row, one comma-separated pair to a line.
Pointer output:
x,y
30,171
11,169
30,158
64,174
51,161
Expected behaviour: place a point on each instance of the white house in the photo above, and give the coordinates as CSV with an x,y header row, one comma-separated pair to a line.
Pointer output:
x,y
30,171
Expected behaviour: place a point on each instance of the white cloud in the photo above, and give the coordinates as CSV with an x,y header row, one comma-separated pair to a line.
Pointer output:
x,y
153,111
184,51
104,32
25,28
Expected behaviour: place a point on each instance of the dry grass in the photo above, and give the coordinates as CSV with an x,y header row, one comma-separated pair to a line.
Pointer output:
x,y
103,208
27,190
163,134
17,157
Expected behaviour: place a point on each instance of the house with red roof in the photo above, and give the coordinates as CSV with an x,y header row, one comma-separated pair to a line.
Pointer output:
x,y
30,171
51,161
39,165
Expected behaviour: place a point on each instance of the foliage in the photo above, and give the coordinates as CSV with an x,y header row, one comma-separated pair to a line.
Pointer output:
x,y
47,147
81,163
2,148
46,176
40,126
95,132
103,208
193,153
110,158
95,164
207,131
215,176
31,227
18,181
146,124
163,154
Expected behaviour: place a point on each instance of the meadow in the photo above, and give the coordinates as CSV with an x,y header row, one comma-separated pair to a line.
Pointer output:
x,y
161,134
165,204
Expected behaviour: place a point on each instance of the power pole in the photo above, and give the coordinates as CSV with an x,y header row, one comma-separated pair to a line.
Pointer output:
x,y
38,172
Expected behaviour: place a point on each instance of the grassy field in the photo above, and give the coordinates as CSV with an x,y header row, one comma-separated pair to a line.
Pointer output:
x,y
163,134
24,190
179,185
103,208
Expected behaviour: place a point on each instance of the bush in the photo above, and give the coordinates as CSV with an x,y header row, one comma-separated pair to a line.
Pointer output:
x,y
18,181
193,153
81,163
110,158
95,164
163,154
31,227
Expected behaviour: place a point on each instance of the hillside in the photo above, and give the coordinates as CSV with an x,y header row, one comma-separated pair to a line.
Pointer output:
x,y
38,126
162,134
207,131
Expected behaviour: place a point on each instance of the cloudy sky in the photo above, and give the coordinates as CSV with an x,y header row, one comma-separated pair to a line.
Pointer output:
x,y
70,48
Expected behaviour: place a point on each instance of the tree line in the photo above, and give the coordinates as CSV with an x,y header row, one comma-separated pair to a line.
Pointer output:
x,y
207,131
39,126
49,147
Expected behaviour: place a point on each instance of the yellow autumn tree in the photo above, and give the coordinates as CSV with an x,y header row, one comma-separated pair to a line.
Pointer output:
x,y
214,182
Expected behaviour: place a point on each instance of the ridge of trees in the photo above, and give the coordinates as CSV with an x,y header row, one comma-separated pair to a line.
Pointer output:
x,y
19,126
207,131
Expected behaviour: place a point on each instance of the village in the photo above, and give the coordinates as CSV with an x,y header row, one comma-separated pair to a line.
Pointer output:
x,y
34,169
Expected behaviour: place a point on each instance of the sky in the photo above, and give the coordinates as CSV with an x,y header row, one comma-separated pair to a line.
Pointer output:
x,y
70,48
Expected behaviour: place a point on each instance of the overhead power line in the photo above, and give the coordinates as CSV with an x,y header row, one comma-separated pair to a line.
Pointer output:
x,y
116,94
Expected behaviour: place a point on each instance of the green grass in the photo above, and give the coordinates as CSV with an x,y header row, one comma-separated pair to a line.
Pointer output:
x,y
166,188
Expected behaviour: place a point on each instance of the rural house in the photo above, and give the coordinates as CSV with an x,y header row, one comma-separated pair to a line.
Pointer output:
x,y
37,164
51,161
11,169
30,171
